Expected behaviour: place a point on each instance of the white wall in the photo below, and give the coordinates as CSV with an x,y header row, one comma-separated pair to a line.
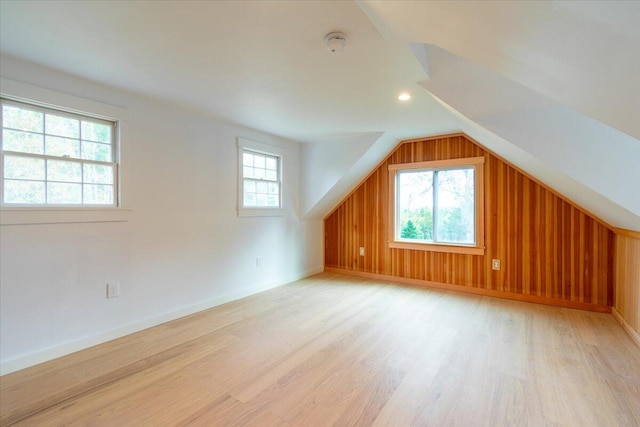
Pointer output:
x,y
183,249
601,158
325,163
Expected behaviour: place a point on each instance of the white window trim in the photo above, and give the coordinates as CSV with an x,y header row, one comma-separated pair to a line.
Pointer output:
x,y
474,249
25,215
57,215
264,149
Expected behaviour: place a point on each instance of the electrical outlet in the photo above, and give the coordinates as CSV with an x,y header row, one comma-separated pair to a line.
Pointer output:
x,y
361,250
495,264
113,290
258,262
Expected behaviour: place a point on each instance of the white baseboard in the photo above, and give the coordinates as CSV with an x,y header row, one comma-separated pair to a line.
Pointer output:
x,y
623,322
50,353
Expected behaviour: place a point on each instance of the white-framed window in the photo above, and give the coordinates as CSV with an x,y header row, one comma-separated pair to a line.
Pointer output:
x,y
438,205
259,179
56,158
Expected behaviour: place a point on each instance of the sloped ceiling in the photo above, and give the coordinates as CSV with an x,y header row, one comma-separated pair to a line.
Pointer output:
x,y
577,148
550,86
585,55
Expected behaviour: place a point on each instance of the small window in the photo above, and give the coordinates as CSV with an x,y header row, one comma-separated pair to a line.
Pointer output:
x,y
56,158
438,205
260,173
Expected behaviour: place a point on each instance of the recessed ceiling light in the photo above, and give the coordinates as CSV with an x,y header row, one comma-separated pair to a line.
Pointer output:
x,y
404,96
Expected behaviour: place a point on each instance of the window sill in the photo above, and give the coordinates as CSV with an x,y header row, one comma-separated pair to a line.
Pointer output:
x,y
62,215
435,247
249,212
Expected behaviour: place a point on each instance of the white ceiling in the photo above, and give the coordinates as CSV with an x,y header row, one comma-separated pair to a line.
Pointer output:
x,y
262,64
583,54
493,69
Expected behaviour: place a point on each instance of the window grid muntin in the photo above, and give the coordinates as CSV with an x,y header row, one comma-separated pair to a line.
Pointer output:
x,y
113,186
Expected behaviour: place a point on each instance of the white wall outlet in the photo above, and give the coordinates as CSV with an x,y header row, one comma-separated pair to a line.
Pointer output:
x,y
113,290
259,262
361,250
495,264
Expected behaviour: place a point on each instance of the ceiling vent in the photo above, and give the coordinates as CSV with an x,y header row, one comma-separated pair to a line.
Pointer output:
x,y
335,42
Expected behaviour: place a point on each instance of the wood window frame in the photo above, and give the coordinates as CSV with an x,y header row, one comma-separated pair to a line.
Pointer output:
x,y
475,162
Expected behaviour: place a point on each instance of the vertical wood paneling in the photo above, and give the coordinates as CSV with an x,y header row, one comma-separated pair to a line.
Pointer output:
x,y
547,247
627,274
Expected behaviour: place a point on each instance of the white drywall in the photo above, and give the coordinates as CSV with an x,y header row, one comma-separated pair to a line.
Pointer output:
x,y
325,163
184,248
603,159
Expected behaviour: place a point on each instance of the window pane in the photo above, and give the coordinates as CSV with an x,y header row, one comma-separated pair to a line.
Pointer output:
x,y
258,173
271,175
261,200
98,174
455,206
62,147
96,151
247,159
62,126
22,119
23,167
59,170
247,172
261,187
249,186
98,194
25,142
249,199
64,193
272,201
272,163
415,205
23,191
96,132
258,161
273,188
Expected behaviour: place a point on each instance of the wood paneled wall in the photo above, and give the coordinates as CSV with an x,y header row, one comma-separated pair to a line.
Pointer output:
x,y
549,249
627,276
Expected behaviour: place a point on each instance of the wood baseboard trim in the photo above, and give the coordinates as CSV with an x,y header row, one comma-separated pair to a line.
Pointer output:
x,y
476,291
635,336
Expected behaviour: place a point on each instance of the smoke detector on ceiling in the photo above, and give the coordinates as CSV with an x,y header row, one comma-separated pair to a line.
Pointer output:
x,y
335,42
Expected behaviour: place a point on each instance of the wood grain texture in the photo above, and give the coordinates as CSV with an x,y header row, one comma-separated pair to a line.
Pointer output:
x,y
627,276
340,350
548,247
476,291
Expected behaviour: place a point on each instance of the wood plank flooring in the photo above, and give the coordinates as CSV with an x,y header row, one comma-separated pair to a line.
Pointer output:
x,y
339,350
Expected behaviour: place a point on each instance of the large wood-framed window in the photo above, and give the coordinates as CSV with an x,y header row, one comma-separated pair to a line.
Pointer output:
x,y
437,206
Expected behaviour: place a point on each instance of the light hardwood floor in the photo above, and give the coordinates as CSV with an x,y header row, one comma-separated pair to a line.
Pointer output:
x,y
339,350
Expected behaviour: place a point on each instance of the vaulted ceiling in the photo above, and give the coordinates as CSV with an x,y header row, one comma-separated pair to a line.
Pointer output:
x,y
550,86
